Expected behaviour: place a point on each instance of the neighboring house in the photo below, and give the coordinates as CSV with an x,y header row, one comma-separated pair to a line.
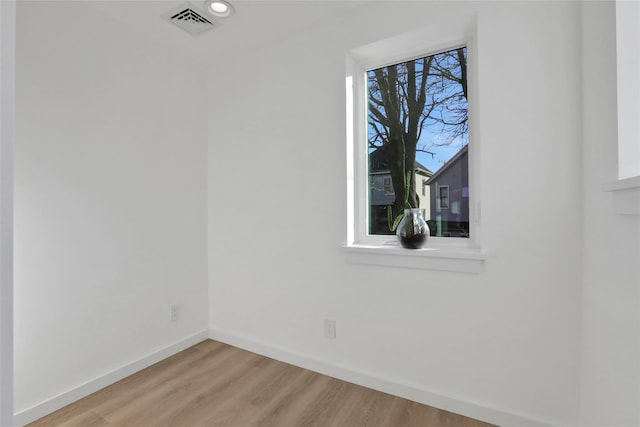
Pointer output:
x,y
450,197
382,193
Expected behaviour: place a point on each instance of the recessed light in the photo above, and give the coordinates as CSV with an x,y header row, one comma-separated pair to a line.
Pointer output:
x,y
218,8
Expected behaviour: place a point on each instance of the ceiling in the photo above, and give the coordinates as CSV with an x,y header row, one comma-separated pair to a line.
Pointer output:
x,y
255,23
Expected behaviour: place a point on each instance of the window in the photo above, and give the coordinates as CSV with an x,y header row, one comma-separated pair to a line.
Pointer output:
x,y
444,197
628,58
626,189
416,143
443,142
387,188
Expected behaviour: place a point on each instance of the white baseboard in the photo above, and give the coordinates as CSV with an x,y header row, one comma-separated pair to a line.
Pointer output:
x,y
415,393
40,410
376,382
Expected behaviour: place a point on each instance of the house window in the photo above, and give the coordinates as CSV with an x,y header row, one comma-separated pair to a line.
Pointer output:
x,y
444,196
417,130
387,188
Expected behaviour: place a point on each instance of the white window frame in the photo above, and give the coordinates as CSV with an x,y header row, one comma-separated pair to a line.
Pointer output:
x,y
441,253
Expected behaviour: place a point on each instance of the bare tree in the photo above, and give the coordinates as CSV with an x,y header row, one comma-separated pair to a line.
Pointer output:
x,y
451,113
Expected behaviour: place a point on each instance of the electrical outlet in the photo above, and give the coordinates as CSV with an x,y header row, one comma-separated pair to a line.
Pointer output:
x,y
330,329
175,313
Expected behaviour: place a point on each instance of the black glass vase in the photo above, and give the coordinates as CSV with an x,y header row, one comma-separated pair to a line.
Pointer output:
x,y
413,230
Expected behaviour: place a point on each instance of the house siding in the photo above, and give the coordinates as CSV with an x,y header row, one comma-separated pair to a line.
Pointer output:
x,y
449,220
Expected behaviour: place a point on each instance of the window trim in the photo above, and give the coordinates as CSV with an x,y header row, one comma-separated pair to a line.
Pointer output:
x,y
626,195
459,260
384,250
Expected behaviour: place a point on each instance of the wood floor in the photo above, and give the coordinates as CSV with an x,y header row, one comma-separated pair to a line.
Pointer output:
x,y
213,384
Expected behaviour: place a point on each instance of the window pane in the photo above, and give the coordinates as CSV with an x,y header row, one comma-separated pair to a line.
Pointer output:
x,y
417,132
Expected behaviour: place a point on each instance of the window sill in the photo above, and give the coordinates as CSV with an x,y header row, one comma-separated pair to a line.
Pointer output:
x,y
626,195
461,260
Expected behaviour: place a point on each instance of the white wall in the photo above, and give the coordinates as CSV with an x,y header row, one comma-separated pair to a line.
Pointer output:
x,y
611,322
7,137
506,339
110,199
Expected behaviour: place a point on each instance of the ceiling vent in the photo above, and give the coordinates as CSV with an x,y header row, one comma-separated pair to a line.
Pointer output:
x,y
190,20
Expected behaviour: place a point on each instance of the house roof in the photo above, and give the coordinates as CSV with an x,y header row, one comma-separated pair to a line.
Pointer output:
x,y
378,163
448,163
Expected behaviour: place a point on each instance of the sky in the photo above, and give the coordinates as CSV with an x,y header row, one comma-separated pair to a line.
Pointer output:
x,y
441,154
